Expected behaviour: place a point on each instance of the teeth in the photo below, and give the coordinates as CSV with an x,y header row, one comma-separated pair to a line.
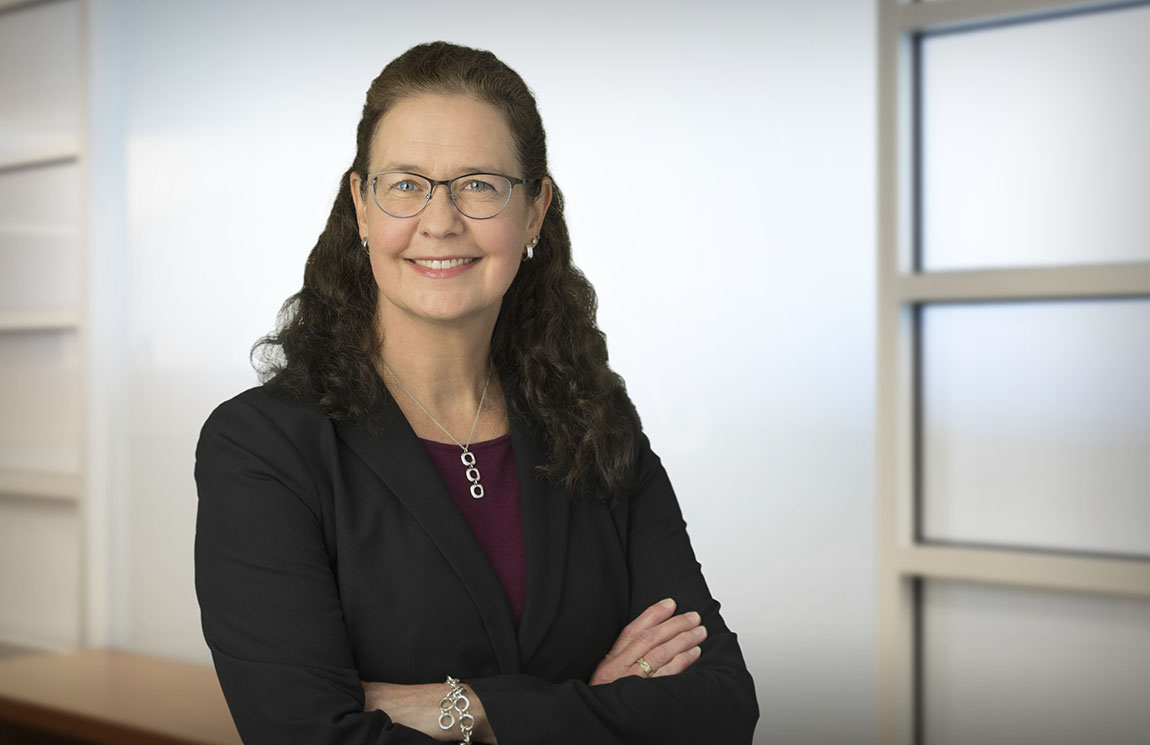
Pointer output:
x,y
437,264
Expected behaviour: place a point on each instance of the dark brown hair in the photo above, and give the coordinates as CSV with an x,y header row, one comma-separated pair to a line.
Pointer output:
x,y
550,354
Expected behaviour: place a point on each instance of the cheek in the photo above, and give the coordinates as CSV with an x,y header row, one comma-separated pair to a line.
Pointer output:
x,y
512,241
511,234
507,252
390,237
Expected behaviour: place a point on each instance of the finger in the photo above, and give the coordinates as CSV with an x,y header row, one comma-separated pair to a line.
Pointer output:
x,y
679,663
657,646
661,655
651,617
647,642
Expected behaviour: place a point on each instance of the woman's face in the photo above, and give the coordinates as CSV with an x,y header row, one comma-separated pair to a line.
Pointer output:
x,y
441,137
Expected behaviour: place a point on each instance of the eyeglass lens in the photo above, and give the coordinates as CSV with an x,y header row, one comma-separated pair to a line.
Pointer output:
x,y
479,195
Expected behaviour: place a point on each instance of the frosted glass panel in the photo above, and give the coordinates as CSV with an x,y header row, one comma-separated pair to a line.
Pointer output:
x,y
1036,425
40,413
1033,668
39,270
39,81
37,198
39,572
1036,143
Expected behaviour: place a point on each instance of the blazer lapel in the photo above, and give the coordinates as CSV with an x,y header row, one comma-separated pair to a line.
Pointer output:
x,y
400,461
546,508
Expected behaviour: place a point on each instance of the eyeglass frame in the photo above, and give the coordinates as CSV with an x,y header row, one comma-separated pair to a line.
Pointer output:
x,y
373,177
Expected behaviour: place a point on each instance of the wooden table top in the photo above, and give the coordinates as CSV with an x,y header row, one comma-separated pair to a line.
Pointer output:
x,y
115,698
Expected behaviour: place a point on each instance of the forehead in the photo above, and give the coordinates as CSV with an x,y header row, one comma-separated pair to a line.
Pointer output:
x,y
440,135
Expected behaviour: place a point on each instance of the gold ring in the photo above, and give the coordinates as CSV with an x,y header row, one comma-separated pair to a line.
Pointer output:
x,y
647,670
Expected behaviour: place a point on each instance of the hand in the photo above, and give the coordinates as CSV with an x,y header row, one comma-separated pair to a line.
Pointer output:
x,y
669,644
417,707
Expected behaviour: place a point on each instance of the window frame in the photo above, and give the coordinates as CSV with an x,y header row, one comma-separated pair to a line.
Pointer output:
x,y
903,561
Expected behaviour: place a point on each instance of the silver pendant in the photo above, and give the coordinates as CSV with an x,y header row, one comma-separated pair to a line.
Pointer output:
x,y
468,459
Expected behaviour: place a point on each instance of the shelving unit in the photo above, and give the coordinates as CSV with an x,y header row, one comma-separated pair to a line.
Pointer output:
x,y
33,152
41,485
39,320
42,323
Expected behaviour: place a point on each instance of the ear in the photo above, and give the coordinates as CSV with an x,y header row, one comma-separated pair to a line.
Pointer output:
x,y
357,197
539,209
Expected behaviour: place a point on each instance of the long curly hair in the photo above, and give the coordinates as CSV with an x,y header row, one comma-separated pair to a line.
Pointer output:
x,y
546,346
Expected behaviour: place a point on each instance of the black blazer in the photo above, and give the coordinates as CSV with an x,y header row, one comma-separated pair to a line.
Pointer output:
x,y
326,555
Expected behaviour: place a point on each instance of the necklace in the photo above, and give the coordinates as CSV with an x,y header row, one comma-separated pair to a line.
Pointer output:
x,y
468,457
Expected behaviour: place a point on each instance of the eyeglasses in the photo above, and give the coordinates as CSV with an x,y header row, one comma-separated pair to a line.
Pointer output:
x,y
479,196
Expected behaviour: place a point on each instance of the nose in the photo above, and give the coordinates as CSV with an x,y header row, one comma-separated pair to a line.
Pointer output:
x,y
440,217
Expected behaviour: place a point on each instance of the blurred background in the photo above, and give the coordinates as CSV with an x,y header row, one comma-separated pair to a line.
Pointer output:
x,y
893,349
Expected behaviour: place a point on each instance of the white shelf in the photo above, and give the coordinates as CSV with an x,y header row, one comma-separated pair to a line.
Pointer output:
x,y
13,4
38,320
29,152
24,230
63,486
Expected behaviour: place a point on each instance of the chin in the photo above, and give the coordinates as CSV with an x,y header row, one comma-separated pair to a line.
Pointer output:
x,y
459,314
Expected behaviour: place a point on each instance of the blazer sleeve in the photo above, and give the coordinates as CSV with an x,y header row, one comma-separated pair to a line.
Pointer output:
x,y
712,701
268,596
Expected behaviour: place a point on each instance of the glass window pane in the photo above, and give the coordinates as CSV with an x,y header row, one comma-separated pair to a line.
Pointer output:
x,y
1036,143
1001,665
1036,425
39,270
39,572
33,199
39,82
40,402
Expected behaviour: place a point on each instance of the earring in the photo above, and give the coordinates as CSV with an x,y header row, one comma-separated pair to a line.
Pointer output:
x,y
531,249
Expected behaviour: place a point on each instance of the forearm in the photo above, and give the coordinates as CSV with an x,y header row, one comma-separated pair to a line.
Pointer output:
x,y
418,707
713,705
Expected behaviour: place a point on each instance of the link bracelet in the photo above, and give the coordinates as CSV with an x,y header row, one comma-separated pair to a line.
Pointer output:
x,y
456,702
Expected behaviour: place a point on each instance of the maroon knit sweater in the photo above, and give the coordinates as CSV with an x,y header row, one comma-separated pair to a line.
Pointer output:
x,y
495,519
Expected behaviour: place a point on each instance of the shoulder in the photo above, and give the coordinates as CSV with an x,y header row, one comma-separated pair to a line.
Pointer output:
x,y
257,439
261,423
651,486
261,408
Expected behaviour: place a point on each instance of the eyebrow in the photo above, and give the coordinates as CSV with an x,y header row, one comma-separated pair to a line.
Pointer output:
x,y
411,168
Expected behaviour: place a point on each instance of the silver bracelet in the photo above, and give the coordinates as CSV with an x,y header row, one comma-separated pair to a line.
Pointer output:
x,y
456,702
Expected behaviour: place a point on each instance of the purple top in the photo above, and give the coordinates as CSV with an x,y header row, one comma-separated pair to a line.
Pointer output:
x,y
495,519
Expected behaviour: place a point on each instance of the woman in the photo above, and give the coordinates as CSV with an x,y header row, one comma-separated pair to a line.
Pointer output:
x,y
438,519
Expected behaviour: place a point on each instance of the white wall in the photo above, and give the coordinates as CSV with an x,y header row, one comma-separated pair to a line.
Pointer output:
x,y
744,327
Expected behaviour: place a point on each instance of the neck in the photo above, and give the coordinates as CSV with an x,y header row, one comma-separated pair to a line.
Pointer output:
x,y
444,366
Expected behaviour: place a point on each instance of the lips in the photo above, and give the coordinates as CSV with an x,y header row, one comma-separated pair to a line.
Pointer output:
x,y
441,263
445,267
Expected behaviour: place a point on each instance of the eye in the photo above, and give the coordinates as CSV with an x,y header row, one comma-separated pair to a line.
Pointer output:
x,y
397,184
476,186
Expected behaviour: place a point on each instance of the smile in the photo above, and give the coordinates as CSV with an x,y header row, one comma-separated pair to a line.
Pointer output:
x,y
441,264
